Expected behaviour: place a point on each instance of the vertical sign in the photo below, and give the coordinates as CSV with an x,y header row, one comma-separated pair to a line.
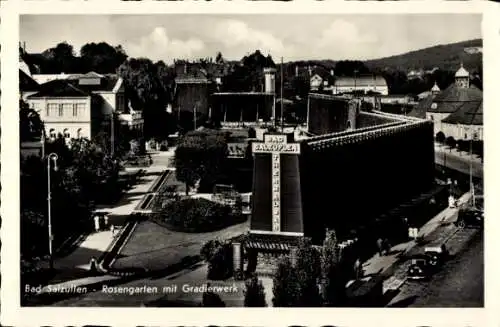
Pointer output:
x,y
276,145
276,182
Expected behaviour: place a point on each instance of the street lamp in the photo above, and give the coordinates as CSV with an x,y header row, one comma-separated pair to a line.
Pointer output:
x,y
51,157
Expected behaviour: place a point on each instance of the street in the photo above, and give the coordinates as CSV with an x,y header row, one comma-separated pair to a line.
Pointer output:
x,y
459,283
457,162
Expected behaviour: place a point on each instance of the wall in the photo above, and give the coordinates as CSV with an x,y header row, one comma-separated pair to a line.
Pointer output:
x,y
190,95
67,120
462,132
346,186
328,115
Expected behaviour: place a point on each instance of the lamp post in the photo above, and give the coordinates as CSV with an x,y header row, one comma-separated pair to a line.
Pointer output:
x,y
51,157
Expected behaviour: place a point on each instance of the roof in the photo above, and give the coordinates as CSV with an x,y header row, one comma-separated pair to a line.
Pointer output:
x,y
435,88
421,108
59,88
376,80
107,82
470,113
26,83
462,72
449,100
44,78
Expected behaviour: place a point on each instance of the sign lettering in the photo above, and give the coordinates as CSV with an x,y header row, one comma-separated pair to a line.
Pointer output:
x,y
276,145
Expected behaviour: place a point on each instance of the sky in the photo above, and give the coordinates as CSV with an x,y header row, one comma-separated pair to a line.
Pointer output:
x,y
291,36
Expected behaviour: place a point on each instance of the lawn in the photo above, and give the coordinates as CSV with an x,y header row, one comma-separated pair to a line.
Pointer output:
x,y
154,247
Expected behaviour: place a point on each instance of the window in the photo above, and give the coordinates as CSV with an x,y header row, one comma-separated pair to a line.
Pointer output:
x,y
61,111
79,133
75,110
465,136
52,133
432,117
81,109
52,109
66,133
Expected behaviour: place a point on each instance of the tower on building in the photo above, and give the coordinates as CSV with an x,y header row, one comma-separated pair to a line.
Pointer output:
x,y
270,80
435,89
462,77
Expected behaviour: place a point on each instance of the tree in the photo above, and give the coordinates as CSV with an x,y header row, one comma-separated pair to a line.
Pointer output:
x,y
350,68
298,285
149,87
440,137
219,59
102,57
30,123
252,133
201,155
60,59
450,141
463,145
254,293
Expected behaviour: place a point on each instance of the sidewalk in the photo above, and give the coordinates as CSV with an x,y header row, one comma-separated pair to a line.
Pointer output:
x,y
383,264
96,244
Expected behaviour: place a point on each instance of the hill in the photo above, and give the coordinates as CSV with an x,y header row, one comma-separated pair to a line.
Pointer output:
x,y
445,57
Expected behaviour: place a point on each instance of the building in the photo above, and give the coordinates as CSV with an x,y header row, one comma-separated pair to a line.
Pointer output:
x,y
193,87
79,105
456,111
246,108
361,84
321,79
344,180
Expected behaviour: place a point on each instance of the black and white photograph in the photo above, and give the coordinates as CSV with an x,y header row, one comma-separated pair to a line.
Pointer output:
x,y
217,160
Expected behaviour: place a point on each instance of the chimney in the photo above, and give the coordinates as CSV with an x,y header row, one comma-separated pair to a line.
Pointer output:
x,y
310,70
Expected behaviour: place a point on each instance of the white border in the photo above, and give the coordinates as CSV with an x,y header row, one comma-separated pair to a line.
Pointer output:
x,y
15,316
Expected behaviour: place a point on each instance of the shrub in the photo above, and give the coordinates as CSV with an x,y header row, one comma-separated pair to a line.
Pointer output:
x,y
450,141
195,215
440,137
254,293
220,259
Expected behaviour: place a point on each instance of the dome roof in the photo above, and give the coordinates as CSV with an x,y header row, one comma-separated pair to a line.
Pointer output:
x,y
462,72
448,100
435,88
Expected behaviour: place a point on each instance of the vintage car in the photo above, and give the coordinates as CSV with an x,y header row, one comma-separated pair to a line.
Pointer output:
x,y
420,268
470,217
437,254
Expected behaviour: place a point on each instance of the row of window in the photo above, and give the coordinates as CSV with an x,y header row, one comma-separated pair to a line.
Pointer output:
x,y
66,133
56,109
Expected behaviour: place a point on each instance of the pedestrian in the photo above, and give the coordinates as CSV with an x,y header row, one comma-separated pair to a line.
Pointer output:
x,y
387,246
112,228
358,271
380,246
96,223
93,264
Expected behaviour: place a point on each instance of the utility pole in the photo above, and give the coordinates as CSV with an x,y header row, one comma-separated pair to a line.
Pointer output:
x,y
194,117
355,75
112,134
281,92
471,182
50,157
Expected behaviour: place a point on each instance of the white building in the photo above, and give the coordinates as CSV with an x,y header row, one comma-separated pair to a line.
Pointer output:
x,y
78,105
456,111
361,84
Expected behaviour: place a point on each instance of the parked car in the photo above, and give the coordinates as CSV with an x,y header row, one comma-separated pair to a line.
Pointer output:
x,y
470,217
437,254
420,267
